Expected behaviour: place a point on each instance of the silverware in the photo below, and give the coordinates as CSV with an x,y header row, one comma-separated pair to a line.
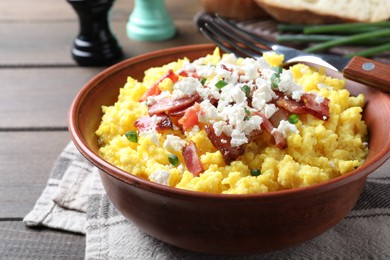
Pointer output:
x,y
231,38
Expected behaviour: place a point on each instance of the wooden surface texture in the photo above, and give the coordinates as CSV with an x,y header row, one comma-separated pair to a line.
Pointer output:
x,y
38,81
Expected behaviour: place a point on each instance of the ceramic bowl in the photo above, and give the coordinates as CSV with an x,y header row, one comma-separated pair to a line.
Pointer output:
x,y
215,223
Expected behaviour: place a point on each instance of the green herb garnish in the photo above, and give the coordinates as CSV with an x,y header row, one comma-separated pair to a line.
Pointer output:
x,y
247,114
278,70
348,40
203,80
275,80
324,37
293,119
173,159
255,172
220,84
246,90
132,136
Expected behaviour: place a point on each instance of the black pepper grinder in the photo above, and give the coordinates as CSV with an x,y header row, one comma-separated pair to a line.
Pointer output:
x,y
95,45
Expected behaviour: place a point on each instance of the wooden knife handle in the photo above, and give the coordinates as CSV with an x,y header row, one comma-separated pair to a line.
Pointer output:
x,y
369,72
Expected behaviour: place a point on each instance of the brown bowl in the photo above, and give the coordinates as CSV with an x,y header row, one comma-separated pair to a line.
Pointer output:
x,y
216,223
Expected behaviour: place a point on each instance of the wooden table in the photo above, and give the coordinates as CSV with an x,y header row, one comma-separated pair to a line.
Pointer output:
x,y
38,81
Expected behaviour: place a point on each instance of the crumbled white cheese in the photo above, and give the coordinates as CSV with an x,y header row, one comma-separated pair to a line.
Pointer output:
x,y
286,80
199,61
219,127
155,120
319,99
153,99
185,87
262,94
187,66
226,95
297,95
174,143
222,73
285,128
193,131
251,124
263,64
180,167
232,115
288,86
267,74
229,58
205,71
238,138
152,135
268,110
161,177
222,127
238,95
208,114
250,69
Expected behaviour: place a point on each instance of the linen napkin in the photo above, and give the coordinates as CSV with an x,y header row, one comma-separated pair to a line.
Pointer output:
x,y
74,200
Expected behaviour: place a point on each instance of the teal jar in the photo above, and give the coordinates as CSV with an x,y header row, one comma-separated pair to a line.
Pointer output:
x,y
150,21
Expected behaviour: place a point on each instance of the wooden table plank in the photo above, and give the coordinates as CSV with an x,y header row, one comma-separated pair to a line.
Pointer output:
x,y
26,102
42,49
44,37
26,159
19,242
39,79
48,10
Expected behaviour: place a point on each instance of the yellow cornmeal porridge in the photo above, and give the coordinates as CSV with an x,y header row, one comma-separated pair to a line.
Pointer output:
x,y
235,98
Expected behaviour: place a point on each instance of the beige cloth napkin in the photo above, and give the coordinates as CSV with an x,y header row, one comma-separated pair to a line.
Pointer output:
x,y
74,200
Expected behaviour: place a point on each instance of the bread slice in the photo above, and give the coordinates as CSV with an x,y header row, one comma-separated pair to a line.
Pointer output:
x,y
326,11
235,9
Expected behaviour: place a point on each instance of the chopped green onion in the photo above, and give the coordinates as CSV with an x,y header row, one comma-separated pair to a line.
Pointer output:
x,y
346,27
275,80
202,80
246,90
293,118
318,38
278,70
132,136
255,172
370,51
348,40
247,114
303,38
220,84
173,159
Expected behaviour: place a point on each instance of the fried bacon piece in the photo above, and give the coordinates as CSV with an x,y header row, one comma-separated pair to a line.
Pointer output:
x,y
185,73
291,105
146,123
317,109
154,90
222,143
168,105
308,105
279,115
192,159
280,141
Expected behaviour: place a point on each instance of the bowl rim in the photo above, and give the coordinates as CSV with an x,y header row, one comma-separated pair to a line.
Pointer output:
x,y
115,172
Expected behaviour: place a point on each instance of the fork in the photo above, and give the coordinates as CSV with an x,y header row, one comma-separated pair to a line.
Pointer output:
x,y
233,39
